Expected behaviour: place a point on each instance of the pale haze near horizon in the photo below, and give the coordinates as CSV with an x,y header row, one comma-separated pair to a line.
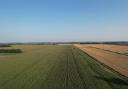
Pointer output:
x,y
63,20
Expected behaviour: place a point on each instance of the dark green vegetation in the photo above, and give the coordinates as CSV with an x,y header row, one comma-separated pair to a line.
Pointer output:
x,y
5,45
10,51
56,67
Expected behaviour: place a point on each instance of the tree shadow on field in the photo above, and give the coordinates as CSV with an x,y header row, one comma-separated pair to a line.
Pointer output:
x,y
113,80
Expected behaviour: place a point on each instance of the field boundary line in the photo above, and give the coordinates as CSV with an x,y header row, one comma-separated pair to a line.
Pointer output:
x,y
104,65
109,51
95,70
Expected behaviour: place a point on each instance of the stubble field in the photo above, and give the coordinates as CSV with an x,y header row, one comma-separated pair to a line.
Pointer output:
x,y
119,49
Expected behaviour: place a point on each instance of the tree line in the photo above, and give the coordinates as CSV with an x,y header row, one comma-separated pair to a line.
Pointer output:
x,y
11,51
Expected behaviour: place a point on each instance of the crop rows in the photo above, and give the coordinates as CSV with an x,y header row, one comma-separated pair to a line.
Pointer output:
x,y
57,67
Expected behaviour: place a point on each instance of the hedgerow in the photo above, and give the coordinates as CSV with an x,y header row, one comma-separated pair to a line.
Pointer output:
x,y
10,51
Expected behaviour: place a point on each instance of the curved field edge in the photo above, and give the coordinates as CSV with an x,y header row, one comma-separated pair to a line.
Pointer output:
x,y
57,67
104,72
108,67
116,61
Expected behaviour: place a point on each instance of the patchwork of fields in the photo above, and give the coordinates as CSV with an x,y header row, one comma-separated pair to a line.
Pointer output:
x,y
56,67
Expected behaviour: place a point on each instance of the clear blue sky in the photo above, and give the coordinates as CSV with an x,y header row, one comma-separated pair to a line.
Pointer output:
x,y
63,20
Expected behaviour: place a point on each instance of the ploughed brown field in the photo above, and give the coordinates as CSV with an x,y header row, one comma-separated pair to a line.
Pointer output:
x,y
116,61
113,48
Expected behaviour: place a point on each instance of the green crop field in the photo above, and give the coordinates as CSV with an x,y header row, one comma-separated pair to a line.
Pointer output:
x,y
56,67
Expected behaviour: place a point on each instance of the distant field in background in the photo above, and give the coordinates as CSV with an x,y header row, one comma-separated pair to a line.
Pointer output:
x,y
113,48
56,67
